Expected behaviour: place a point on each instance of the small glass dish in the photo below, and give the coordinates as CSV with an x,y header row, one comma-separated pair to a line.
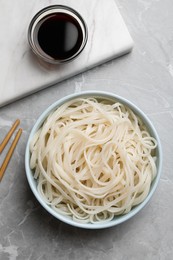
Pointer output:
x,y
57,34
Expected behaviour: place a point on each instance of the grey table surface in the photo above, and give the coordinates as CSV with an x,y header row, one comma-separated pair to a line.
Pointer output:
x,y
145,77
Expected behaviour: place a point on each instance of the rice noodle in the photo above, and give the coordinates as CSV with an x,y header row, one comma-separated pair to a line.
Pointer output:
x,y
93,160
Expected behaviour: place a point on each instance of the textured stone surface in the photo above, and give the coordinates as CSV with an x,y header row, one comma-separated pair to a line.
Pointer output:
x,y
22,73
146,78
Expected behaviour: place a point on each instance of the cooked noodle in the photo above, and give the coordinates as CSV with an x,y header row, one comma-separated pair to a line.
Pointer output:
x,y
93,160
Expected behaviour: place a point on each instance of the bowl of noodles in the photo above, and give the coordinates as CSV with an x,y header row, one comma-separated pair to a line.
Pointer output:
x,y
93,160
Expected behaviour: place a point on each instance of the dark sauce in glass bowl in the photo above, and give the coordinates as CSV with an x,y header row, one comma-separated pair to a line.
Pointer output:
x,y
57,34
60,36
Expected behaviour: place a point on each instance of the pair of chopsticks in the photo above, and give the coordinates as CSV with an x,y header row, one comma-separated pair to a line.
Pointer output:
x,y
12,147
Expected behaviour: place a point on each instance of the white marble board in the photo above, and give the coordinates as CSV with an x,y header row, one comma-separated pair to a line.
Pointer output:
x,y
22,73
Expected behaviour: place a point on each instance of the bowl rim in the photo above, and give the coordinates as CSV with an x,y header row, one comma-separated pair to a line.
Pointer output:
x,y
109,96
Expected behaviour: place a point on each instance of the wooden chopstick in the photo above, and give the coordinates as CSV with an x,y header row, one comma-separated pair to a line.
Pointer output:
x,y
9,153
9,134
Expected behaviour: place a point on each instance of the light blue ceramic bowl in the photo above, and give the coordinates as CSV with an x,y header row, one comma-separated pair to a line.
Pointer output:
x,y
108,96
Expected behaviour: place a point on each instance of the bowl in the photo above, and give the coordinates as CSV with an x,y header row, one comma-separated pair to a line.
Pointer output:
x,y
117,219
57,34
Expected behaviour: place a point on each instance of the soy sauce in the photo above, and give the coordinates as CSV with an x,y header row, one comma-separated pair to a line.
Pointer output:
x,y
60,36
